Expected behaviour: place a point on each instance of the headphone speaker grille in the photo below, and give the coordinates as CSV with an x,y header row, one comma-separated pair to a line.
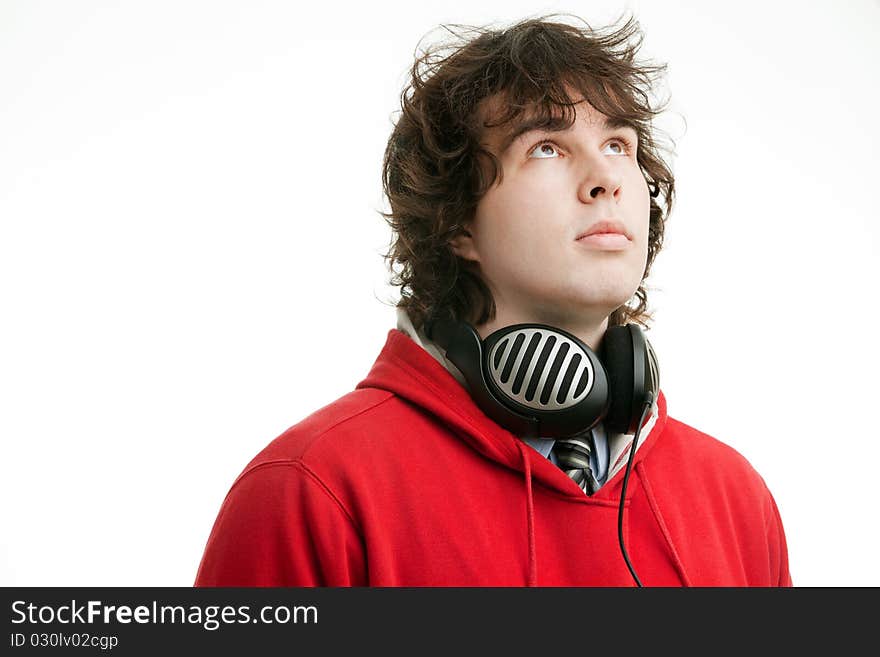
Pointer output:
x,y
541,369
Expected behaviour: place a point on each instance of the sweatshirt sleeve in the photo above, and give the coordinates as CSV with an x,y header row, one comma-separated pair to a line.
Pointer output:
x,y
778,546
281,526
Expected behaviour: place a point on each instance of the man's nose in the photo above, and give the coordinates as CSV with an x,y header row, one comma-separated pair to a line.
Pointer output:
x,y
599,180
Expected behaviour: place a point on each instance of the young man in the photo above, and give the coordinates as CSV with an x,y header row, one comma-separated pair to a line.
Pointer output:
x,y
527,195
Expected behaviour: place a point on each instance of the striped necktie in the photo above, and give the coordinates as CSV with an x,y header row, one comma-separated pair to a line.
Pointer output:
x,y
573,456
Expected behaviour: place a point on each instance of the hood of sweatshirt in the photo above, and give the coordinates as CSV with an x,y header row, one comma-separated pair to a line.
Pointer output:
x,y
410,372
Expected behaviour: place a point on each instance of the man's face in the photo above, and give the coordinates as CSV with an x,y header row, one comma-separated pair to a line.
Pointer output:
x,y
556,185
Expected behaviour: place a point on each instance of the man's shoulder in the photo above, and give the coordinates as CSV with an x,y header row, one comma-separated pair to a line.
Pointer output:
x,y
690,451
703,462
340,427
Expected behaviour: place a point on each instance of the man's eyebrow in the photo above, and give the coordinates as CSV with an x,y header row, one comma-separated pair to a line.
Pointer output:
x,y
554,124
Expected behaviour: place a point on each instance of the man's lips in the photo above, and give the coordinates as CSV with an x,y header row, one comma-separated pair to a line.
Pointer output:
x,y
606,235
605,227
606,241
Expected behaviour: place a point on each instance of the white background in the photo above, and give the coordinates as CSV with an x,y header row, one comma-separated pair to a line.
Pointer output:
x,y
190,256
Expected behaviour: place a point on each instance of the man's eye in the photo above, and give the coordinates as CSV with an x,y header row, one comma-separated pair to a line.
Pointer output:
x,y
621,147
545,148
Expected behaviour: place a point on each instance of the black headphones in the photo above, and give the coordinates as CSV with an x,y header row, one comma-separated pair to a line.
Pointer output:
x,y
538,381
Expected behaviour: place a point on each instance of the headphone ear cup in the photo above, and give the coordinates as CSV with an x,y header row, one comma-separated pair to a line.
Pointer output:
x,y
617,357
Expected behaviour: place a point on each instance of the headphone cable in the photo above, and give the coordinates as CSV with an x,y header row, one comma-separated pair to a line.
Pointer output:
x,y
649,400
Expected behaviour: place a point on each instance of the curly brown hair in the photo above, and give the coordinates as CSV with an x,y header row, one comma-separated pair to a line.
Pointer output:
x,y
435,169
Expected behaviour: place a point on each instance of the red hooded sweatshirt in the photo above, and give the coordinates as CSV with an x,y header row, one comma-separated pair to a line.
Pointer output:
x,y
406,482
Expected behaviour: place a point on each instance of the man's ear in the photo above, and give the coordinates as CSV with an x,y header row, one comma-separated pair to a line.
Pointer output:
x,y
463,246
